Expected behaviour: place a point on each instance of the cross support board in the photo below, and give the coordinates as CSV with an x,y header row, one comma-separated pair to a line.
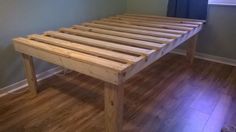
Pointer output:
x,y
113,50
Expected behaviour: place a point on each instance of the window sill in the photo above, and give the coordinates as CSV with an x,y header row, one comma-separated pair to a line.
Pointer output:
x,y
222,4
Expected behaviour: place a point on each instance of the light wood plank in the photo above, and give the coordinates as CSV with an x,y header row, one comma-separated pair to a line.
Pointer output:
x,y
99,72
86,58
86,49
116,39
113,26
104,30
113,107
193,21
155,25
191,48
116,22
157,55
99,43
166,22
30,74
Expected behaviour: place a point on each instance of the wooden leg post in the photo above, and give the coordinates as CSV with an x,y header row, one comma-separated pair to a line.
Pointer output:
x,y
113,107
30,74
191,49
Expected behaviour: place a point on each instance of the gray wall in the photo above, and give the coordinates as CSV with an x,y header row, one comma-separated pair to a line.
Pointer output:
x,y
219,35
23,17
157,7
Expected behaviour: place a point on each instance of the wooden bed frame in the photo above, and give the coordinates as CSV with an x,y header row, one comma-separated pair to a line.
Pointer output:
x,y
112,49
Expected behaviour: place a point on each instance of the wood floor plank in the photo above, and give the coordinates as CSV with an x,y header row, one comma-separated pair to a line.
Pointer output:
x,y
217,118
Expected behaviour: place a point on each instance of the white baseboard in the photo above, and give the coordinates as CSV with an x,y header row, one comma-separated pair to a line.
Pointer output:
x,y
217,59
23,84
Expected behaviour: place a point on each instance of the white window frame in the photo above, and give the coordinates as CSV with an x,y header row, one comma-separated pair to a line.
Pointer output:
x,y
223,2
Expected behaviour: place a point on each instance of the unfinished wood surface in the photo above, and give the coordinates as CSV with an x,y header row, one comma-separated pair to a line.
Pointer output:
x,y
70,61
87,49
184,20
128,25
113,107
175,21
122,45
30,74
113,26
112,50
99,43
104,30
191,48
150,24
117,39
146,20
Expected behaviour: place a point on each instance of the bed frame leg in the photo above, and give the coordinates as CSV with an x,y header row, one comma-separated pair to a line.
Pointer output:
x,y
30,74
113,107
191,49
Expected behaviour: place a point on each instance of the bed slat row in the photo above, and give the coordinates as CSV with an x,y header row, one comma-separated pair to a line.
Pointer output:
x,y
122,45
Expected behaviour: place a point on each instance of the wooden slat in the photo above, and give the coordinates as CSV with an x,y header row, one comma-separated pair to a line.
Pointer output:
x,y
116,39
99,72
75,55
145,23
157,55
104,30
109,25
116,26
86,49
99,43
166,22
128,25
193,21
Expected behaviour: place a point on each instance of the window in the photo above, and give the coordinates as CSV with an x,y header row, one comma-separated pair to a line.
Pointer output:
x,y
223,2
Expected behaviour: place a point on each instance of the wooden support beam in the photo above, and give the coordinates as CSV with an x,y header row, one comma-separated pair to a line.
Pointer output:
x,y
30,74
191,49
113,107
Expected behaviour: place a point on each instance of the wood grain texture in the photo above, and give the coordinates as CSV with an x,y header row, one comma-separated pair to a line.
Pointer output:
x,y
191,49
113,107
122,44
30,74
100,57
168,96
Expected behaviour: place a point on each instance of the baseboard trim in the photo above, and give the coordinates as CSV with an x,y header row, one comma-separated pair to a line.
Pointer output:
x,y
212,58
23,84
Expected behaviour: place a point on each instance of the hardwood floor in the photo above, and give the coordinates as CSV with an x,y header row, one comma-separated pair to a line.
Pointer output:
x,y
169,96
